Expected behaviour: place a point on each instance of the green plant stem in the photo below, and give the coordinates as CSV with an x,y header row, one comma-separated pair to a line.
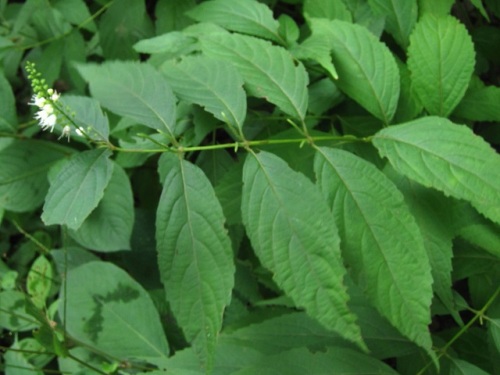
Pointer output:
x,y
479,315
42,247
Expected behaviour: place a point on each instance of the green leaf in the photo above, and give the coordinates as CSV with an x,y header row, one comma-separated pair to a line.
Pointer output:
x,y
480,104
381,241
295,238
109,226
8,119
437,153
39,281
77,188
333,361
134,90
88,116
441,60
194,255
171,15
269,71
124,23
243,16
13,317
316,48
215,85
400,17
109,311
372,82
173,42
75,12
23,175
327,9
437,8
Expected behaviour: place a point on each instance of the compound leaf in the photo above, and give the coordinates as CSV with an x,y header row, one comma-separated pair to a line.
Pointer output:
x,y
451,158
294,235
381,241
441,61
194,255
269,71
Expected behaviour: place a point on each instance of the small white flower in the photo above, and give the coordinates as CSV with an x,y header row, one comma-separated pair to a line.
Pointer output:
x,y
79,131
38,101
46,119
54,96
66,132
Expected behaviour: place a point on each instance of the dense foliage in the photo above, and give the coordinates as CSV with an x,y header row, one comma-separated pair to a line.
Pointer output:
x,y
250,187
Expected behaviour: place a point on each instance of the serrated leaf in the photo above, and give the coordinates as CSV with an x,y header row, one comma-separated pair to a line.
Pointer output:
x,y
381,241
23,175
327,9
372,82
77,188
295,238
480,104
441,60
316,48
215,85
109,226
244,16
134,90
88,116
194,255
172,42
269,71
451,158
103,306
400,17
437,8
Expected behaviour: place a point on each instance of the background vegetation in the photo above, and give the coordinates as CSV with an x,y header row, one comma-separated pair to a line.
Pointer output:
x,y
249,187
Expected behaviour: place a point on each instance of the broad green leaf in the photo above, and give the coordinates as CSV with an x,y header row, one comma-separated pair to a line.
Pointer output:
x,y
316,48
451,158
88,116
441,60
76,12
480,104
8,119
372,82
23,175
194,255
109,226
400,17
244,16
77,188
269,71
13,316
293,234
215,85
171,15
109,311
124,23
381,241
437,8
134,90
460,367
288,29
333,361
323,95
16,362
484,234
39,281
409,106
173,42
327,9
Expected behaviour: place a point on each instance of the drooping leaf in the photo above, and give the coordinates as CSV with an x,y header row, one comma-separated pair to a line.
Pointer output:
x,y
293,234
244,16
269,71
109,226
400,17
372,82
437,153
77,188
23,175
194,255
327,9
215,85
134,90
441,61
381,241
109,311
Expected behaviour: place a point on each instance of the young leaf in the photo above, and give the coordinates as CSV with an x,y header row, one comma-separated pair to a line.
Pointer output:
x,y
437,153
103,306
372,82
77,188
441,61
134,90
400,17
109,226
194,255
244,16
294,236
215,85
381,241
268,71
23,175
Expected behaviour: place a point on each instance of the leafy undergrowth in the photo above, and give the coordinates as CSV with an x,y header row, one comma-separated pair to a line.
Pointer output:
x,y
250,187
